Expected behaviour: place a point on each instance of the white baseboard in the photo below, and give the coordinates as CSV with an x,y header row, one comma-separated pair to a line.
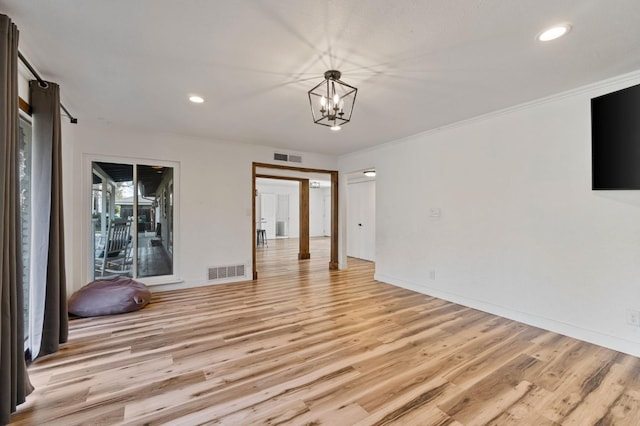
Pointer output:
x,y
571,330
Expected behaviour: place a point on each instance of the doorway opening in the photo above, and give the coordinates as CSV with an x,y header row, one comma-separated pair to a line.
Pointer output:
x,y
261,224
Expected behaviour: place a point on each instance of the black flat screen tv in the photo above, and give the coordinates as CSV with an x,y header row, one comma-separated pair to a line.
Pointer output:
x,y
615,140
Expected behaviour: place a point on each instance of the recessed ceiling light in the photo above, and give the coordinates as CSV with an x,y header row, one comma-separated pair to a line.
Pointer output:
x,y
554,32
196,99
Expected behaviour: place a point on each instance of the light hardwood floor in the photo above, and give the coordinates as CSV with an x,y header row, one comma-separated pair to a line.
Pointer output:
x,y
307,346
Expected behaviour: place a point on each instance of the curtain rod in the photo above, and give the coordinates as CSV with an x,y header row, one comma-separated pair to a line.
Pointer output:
x,y
26,63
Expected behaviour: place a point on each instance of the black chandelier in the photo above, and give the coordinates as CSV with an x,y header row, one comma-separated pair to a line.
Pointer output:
x,y
332,101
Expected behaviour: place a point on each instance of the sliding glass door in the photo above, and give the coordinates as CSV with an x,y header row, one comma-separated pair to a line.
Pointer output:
x,y
132,216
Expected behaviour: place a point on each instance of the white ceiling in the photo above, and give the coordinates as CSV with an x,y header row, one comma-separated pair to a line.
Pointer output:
x,y
418,64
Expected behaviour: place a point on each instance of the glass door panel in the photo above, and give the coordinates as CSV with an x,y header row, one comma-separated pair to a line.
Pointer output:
x,y
112,219
155,220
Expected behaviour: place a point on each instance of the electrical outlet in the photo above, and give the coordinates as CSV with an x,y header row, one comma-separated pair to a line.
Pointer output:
x,y
633,317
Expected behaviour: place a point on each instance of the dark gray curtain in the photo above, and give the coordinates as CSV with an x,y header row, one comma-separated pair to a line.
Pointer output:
x,y
45,112
14,381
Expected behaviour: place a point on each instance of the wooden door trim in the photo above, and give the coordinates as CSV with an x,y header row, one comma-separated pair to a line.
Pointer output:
x,y
303,189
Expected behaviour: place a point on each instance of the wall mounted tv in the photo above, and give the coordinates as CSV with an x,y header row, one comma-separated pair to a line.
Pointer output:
x,y
615,140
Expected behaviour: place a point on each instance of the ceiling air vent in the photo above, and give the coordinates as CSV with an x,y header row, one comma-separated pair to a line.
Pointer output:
x,y
280,157
287,157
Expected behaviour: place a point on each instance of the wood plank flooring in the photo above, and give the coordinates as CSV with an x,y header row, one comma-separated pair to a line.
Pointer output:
x,y
307,346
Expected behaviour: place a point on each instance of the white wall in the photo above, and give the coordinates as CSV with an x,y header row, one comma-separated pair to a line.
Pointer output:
x,y
521,233
316,211
23,82
214,227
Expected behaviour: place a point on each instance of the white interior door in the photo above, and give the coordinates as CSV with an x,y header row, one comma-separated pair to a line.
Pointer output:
x,y
353,230
326,218
368,221
361,220
282,216
268,214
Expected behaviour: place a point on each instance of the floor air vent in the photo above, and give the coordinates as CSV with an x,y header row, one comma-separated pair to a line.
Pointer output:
x,y
222,272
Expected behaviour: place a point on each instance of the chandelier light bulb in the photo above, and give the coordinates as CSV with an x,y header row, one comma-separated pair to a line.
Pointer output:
x,y
332,101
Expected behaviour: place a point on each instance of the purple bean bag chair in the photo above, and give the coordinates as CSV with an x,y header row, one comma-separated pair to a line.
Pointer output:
x,y
107,297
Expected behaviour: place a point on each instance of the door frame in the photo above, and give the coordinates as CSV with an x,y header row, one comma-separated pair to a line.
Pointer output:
x,y
333,262
86,224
